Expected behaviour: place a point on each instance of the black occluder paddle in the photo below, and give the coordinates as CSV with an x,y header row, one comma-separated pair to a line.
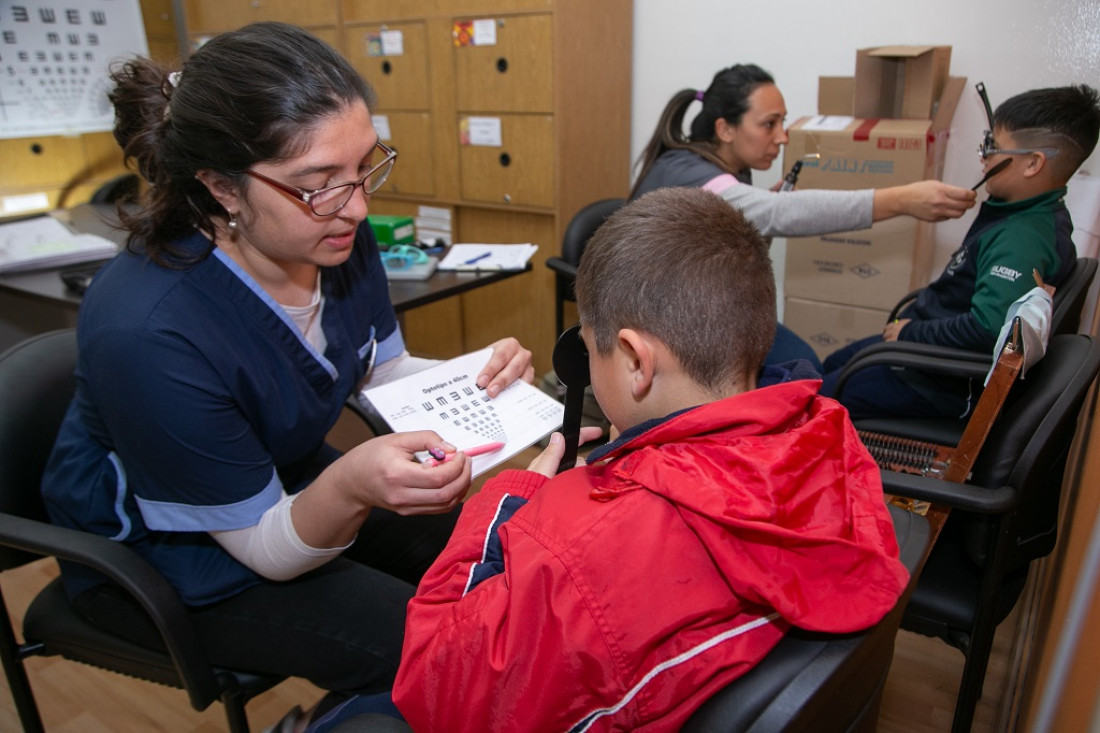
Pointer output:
x,y
992,172
570,361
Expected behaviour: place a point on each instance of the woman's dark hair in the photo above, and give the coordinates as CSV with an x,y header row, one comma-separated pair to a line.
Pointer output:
x,y
727,98
246,96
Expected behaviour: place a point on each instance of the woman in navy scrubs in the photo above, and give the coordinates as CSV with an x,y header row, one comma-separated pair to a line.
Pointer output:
x,y
216,354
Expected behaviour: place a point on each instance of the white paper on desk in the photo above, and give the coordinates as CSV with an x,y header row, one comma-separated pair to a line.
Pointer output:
x,y
445,398
43,241
500,256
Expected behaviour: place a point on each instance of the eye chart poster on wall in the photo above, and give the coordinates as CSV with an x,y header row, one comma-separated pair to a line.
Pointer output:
x,y
54,60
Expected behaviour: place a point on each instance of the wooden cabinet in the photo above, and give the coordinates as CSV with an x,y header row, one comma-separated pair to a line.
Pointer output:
x,y
519,171
214,16
550,82
511,74
403,81
509,114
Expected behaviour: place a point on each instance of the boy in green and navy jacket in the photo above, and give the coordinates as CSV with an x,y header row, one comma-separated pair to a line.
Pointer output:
x,y
1023,226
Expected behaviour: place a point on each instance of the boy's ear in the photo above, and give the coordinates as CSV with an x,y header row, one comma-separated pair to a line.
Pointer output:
x,y
1036,163
221,188
640,360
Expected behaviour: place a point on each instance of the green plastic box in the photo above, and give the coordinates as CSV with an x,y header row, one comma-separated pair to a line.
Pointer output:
x,y
390,230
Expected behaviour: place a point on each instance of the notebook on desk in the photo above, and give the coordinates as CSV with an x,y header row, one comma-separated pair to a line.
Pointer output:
x,y
475,257
43,242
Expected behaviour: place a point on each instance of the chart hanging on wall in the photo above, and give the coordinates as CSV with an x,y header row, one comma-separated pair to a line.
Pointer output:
x,y
54,61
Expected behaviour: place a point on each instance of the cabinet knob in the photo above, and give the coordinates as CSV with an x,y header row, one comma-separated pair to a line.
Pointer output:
x,y
502,64
36,148
505,160
387,67
507,198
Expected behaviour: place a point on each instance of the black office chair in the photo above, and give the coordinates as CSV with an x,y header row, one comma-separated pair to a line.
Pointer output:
x,y
123,188
581,228
36,385
1068,304
818,682
1004,517
809,681
1070,296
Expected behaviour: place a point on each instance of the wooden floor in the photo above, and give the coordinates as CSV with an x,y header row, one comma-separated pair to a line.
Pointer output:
x,y
75,698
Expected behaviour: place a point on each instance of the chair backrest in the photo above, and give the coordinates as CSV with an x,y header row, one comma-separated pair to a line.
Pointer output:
x,y
953,463
1070,295
1029,444
583,225
814,681
37,382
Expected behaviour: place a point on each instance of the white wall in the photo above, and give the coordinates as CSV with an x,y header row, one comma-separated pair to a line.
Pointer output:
x,y
1011,45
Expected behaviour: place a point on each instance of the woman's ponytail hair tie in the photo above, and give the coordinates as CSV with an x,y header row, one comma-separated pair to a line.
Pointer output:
x,y
699,95
173,81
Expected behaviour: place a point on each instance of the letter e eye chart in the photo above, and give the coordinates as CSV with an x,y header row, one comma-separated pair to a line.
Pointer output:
x,y
54,63
445,398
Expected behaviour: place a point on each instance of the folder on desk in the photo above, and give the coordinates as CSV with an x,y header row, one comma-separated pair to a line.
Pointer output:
x,y
475,257
43,241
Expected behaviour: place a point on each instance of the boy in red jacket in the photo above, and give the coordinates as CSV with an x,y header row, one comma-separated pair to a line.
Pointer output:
x,y
621,594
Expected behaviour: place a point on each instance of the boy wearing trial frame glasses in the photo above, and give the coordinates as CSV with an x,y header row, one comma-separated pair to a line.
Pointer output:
x,y
1035,142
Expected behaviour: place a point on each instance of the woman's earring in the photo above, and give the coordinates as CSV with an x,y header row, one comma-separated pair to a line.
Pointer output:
x,y
233,222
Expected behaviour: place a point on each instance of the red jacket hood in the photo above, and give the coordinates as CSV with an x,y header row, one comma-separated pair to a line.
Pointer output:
x,y
803,529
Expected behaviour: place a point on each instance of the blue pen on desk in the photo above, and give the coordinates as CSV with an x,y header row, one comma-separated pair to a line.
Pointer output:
x,y
480,257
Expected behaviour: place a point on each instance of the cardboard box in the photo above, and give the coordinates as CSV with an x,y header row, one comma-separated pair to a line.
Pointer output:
x,y
390,230
872,268
835,95
827,327
876,267
900,81
870,153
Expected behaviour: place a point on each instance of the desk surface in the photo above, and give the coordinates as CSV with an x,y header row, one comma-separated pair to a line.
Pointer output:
x,y
46,285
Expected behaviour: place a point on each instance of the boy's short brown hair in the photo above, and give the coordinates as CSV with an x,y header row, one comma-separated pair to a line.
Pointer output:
x,y
684,266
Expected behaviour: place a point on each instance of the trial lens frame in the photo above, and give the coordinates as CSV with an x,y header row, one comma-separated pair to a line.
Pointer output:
x,y
988,147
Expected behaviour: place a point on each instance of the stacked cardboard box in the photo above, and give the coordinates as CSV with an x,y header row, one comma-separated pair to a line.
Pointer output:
x,y
885,127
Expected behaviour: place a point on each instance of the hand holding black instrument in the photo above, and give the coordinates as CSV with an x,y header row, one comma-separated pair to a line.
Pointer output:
x,y
570,361
791,178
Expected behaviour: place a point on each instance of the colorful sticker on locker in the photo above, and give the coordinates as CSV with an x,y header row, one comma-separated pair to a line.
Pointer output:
x,y
373,43
462,32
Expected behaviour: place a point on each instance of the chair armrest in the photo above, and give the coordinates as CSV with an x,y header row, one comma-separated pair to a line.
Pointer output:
x,y
131,572
948,493
925,357
560,266
905,300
